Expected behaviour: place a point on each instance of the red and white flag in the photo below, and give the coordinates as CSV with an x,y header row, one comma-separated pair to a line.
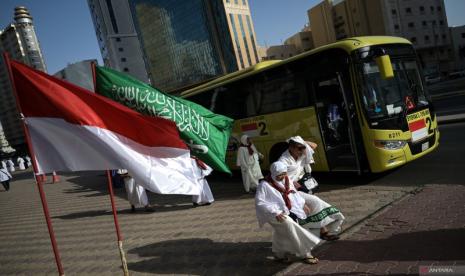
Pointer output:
x,y
418,129
72,129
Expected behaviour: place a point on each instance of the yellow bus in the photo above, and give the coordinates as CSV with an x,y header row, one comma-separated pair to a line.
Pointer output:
x,y
362,100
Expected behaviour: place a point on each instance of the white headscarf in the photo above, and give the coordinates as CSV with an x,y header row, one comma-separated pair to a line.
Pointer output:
x,y
308,153
244,140
297,139
277,168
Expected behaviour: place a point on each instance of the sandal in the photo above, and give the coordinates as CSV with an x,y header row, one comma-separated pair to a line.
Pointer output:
x,y
311,260
328,237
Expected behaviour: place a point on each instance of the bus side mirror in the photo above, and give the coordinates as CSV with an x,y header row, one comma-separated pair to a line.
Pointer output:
x,y
385,66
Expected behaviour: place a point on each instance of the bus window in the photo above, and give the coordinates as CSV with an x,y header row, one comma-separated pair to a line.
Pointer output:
x,y
386,97
281,90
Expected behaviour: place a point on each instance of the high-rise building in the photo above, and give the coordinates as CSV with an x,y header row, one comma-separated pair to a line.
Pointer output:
x,y
19,40
187,42
181,43
423,22
117,37
242,32
79,73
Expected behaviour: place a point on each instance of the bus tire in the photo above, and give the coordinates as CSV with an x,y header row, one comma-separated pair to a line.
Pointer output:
x,y
276,151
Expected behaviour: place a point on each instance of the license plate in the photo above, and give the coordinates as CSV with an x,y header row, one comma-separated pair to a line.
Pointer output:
x,y
424,146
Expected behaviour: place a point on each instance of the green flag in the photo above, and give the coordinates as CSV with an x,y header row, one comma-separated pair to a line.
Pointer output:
x,y
206,133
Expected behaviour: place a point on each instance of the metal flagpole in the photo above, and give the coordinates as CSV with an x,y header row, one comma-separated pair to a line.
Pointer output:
x,y
113,208
38,179
118,232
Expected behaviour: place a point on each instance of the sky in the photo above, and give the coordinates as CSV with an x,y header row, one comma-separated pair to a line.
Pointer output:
x,y
66,33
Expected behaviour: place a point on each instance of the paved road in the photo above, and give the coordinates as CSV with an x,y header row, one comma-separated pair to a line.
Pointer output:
x,y
220,239
450,103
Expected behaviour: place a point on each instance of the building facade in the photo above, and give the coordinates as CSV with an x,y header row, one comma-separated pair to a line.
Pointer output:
x,y
117,37
423,22
280,52
176,43
79,73
195,40
19,40
457,34
242,33
302,41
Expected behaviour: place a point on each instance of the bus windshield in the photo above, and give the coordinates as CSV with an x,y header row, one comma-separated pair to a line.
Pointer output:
x,y
388,97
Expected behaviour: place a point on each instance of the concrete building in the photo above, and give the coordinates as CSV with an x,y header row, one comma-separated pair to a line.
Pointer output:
x,y
242,32
79,73
19,40
280,52
117,37
423,22
322,23
302,41
262,52
458,46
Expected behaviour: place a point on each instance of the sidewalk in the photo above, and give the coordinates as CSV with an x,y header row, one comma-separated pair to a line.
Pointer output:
x,y
221,239
424,229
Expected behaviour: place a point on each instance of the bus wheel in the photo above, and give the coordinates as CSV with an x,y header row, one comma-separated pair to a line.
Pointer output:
x,y
276,151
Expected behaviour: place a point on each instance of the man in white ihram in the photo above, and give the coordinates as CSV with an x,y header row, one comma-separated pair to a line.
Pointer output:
x,y
201,171
11,165
137,195
322,217
275,200
247,160
21,162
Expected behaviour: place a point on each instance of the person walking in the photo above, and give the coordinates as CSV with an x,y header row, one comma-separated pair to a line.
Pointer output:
x,y
201,171
21,162
137,195
11,165
28,161
5,178
247,160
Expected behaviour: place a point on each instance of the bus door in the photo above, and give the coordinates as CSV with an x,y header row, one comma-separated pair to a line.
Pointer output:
x,y
334,124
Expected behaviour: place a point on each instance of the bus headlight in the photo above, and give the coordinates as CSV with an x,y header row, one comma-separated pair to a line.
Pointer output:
x,y
390,144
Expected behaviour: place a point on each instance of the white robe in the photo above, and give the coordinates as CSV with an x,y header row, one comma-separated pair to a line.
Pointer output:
x,y
250,168
4,165
5,175
21,162
205,195
28,161
288,236
137,195
322,215
11,165
296,168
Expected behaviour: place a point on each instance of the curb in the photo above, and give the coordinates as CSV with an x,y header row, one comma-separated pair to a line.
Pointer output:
x,y
446,95
449,119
